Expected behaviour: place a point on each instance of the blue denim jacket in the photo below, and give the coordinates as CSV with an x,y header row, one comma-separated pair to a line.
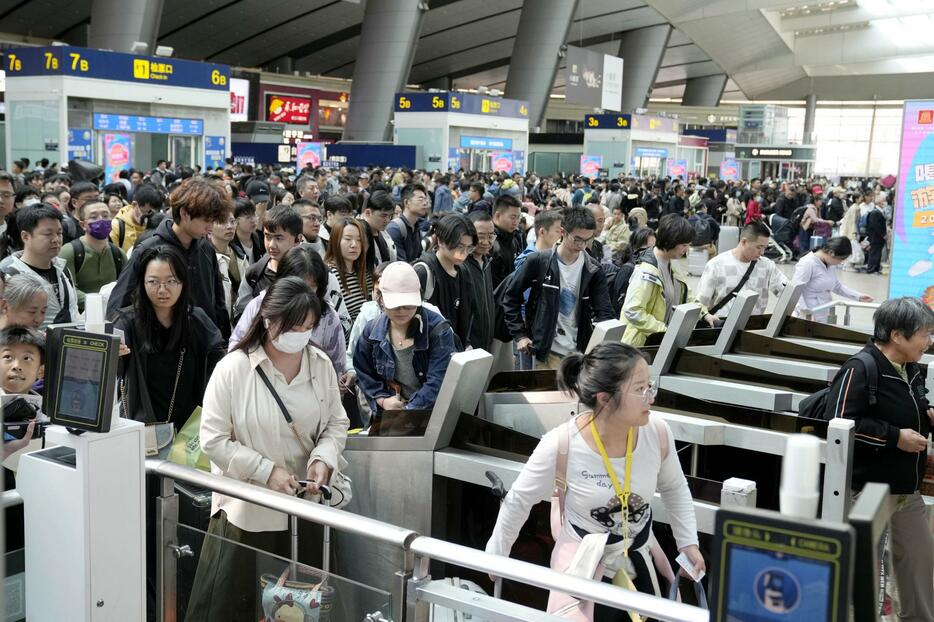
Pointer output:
x,y
375,361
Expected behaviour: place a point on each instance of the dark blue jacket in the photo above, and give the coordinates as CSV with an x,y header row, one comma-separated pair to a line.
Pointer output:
x,y
375,361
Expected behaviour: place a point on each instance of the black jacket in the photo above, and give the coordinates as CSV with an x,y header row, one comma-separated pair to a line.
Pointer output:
x,y
206,348
899,404
259,247
204,277
541,313
835,210
459,315
481,303
506,248
875,225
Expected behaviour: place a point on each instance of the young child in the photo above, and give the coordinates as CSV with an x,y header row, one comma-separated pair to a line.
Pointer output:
x,y
22,351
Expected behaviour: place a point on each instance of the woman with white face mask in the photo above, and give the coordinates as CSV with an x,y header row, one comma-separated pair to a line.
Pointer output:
x,y
291,444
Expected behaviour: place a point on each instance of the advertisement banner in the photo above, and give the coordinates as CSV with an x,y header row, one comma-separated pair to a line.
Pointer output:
x,y
504,161
215,151
239,99
486,142
117,155
678,168
913,220
591,165
288,109
520,162
79,144
729,169
453,159
308,154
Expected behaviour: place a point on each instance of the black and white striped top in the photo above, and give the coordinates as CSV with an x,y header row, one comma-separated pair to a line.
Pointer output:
x,y
353,296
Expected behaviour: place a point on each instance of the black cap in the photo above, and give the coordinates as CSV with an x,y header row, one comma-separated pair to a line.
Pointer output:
x,y
258,191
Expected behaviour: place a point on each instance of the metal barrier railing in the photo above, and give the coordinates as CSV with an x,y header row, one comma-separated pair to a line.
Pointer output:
x,y
411,595
832,307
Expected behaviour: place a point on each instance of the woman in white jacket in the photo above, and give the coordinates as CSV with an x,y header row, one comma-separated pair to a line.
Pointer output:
x,y
613,458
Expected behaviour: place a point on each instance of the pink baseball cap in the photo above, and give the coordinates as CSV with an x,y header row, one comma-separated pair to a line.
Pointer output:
x,y
400,286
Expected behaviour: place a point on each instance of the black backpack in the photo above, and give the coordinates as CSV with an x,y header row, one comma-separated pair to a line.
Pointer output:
x,y
500,330
796,217
815,405
703,232
78,248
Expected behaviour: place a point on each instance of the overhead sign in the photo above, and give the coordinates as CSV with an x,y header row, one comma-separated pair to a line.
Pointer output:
x,y
503,161
729,169
288,109
913,220
594,79
486,142
239,99
465,103
771,152
79,144
117,155
308,155
650,152
607,121
148,125
651,123
591,165
215,151
104,65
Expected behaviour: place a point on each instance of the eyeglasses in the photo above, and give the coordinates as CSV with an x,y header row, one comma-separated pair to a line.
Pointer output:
x,y
312,218
155,284
486,236
6,196
649,392
579,241
460,248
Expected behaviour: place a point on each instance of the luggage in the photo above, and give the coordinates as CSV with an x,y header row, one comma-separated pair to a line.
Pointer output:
x,y
697,259
817,241
728,239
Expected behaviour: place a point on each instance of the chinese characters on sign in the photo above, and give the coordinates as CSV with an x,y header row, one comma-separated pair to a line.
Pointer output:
x,y
288,109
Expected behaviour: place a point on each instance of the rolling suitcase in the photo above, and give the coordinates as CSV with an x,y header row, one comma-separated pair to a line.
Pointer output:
x,y
729,238
697,259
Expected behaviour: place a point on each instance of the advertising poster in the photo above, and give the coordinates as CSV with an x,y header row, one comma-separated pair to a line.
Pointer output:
x,y
913,221
288,109
520,162
116,155
215,151
729,169
453,159
678,168
591,165
307,154
239,99
79,144
504,161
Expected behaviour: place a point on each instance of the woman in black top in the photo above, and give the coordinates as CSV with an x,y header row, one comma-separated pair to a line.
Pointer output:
x,y
173,347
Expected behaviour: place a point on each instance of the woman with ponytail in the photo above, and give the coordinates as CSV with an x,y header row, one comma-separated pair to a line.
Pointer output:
x,y
614,450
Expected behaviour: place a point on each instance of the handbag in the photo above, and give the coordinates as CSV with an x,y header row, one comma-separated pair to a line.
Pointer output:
x,y
298,601
159,434
339,483
186,448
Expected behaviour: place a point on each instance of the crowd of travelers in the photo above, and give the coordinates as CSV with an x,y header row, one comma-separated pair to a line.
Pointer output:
x,y
295,306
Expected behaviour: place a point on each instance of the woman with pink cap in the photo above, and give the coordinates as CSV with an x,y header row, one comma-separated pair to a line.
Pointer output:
x,y
402,354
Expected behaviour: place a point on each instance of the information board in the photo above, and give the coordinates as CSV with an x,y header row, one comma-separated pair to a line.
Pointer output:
x,y
104,65
79,144
913,220
486,142
148,125
650,152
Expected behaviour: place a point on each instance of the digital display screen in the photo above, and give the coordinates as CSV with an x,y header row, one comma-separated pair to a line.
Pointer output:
x,y
767,586
80,387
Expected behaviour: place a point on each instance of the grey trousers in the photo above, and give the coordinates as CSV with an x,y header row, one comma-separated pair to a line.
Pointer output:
x,y
913,558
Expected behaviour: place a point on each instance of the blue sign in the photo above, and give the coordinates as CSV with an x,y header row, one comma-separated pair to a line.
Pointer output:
x,y
607,122
87,63
148,125
486,142
651,152
465,103
79,144
520,162
215,151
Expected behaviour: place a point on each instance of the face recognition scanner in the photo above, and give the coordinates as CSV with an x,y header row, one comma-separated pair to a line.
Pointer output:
x,y
83,496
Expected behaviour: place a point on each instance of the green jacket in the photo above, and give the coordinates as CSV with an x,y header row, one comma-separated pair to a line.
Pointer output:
x,y
645,306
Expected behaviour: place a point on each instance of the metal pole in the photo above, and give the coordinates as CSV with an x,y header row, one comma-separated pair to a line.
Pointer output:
x,y
293,527
166,560
838,470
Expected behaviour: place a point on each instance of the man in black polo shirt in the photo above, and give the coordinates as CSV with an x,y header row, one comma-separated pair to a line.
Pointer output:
x,y
405,230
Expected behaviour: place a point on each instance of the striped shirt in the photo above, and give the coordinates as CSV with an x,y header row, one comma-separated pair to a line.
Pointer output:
x,y
354,297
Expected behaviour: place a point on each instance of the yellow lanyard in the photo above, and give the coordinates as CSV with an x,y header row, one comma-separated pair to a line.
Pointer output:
x,y
621,491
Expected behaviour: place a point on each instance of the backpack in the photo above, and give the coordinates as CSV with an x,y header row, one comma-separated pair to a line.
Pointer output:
x,y
703,233
815,405
428,286
796,217
78,249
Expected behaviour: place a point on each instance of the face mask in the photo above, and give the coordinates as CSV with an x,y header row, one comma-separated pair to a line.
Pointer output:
x,y
100,229
292,342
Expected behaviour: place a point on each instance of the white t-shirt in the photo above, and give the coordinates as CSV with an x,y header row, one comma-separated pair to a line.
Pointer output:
x,y
591,502
723,273
566,331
